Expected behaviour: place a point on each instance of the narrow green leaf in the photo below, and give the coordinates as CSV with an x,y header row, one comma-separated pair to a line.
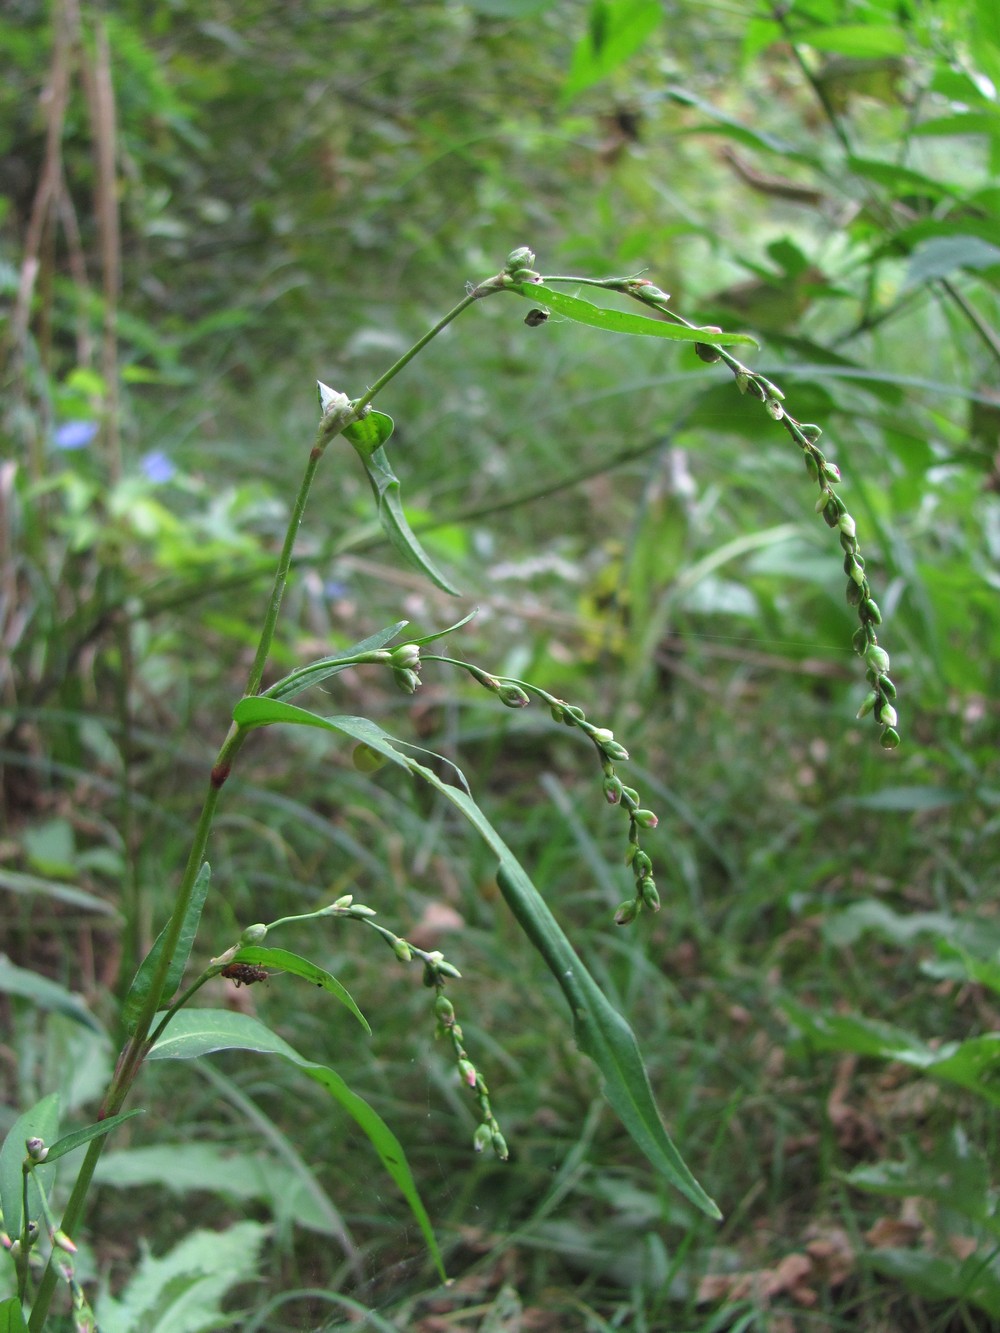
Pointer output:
x,y
19,882
46,994
11,1318
601,1032
302,967
139,989
941,256
862,41
367,437
40,1122
81,1136
621,321
196,1032
316,672
615,31
441,633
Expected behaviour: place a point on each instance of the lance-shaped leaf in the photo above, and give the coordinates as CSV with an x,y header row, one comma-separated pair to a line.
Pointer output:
x,y
367,437
601,1031
139,989
195,1032
301,967
622,321
81,1136
316,672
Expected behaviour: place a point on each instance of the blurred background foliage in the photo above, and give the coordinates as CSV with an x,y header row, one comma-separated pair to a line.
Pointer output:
x,y
204,207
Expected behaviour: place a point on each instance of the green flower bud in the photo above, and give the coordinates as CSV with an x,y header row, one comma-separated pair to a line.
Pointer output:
x,y
846,524
406,679
62,1242
854,592
641,864
871,613
887,687
612,790
614,751
877,658
889,739
499,1145
811,431
860,641
406,655
773,408
522,257
254,934
627,912
848,544
558,712
831,514
482,1138
645,818
649,895
887,716
831,472
402,950
36,1149
445,1010
630,794
512,696
868,705
446,969
343,903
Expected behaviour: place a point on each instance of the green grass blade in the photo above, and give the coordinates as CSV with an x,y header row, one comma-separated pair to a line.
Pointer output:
x,y
196,1032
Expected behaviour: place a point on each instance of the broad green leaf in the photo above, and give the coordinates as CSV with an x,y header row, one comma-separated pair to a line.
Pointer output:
x,y
367,437
191,1167
79,1137
181,1291
971,1064
40,1122
316,672
18,882
601,1032
301,967
139,989
862,41
616,30
46,994
11,1318
196,1032
620,321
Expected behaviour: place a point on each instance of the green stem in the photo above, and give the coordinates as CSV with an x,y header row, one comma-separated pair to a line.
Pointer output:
x,y
476,294
134,1052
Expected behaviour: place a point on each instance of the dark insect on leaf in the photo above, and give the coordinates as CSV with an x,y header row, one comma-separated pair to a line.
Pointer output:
x,y
244,974
535,317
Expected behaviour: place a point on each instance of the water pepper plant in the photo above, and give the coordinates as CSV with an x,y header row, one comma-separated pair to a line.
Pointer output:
x,y
158,1019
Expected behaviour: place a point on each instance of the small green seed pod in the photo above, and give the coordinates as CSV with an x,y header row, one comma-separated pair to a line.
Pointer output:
x,y
512,696
645,818
889,739
649,895
483,1138
871,613
869,703
255,934
811,431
